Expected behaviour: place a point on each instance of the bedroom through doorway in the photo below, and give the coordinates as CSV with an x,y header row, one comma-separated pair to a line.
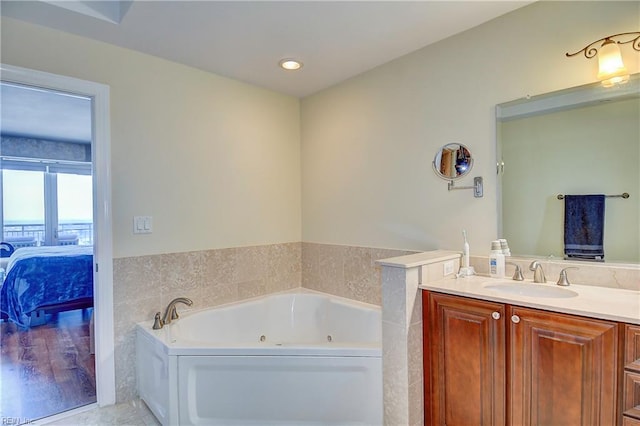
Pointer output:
x,y
47,363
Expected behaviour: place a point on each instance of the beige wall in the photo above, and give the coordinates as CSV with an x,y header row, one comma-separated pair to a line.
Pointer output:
x,y
589,150
368,143
216,162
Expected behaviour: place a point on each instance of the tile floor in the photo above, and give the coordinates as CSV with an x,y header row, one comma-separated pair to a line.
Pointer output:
x,y
132,413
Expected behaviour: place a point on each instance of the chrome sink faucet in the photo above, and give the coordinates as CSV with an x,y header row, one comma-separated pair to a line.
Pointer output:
x,y
538,273
170,313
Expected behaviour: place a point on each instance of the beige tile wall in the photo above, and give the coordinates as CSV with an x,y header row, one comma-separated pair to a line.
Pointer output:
x,y
144,285
345,271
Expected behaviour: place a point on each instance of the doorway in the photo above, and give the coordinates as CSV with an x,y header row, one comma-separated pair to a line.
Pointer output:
x,y
63,178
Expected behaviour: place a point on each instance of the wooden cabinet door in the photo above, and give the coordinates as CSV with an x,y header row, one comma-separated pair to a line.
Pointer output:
x,y
631,380
562,369
632,347
465,347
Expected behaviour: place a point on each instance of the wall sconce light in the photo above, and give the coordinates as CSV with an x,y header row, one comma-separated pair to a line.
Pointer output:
x,y
611,69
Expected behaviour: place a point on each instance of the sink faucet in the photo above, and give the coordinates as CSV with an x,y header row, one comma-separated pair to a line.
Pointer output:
x,y
538,273
170,313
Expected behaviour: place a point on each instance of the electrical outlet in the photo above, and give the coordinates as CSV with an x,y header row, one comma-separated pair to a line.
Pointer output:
x,y
448,268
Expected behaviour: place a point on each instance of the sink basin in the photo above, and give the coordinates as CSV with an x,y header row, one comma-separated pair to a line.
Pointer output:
x,y
531,290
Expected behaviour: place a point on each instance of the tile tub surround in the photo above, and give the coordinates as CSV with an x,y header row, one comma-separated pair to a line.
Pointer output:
x,y
346,271
402,368
622,276
144,285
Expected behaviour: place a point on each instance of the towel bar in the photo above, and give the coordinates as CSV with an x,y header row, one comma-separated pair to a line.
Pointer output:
x,y
623,195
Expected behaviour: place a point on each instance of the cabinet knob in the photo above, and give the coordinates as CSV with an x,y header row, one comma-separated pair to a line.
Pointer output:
x,y
495,315
515,319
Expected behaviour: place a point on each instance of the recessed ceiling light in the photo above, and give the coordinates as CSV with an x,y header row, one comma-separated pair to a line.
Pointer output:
x,y
290,64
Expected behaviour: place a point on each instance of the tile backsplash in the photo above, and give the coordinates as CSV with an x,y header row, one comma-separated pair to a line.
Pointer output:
x,y
625,276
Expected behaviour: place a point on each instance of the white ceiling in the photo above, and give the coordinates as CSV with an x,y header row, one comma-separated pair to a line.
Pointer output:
x,y
44,114
243,40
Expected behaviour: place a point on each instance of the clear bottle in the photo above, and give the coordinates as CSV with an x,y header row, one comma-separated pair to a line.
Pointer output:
x,y
505,247
496,260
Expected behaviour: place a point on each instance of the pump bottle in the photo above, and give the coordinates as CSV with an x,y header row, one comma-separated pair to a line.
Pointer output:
x,y
496,260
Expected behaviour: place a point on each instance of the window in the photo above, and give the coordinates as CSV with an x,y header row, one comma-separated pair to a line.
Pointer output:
x,y
46,203
75,209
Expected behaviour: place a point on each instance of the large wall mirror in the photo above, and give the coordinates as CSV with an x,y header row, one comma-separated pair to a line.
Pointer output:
x,y
583,140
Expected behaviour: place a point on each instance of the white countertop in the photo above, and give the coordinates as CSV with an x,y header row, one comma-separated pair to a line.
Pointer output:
x,y
419,259
591,301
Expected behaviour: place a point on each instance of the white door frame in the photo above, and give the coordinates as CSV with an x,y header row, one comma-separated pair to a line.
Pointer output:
x,y
103,240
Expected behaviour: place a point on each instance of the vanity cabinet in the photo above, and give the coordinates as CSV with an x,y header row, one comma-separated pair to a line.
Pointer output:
x,y
489,363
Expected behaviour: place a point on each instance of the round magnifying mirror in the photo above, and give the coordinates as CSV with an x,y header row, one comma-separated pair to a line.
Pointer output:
x,y
452,161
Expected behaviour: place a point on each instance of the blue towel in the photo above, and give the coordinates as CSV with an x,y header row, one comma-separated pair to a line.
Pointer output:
x,y
584,227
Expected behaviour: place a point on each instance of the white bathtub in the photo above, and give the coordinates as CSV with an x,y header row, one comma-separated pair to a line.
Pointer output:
x,y
290,358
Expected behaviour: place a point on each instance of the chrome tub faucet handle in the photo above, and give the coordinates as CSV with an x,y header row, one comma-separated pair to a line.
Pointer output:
x,y
157,322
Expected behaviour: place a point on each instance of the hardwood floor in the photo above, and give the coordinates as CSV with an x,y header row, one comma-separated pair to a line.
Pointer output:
x,y
47,369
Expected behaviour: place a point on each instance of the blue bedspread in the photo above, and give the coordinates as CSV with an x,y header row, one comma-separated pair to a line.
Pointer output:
x,y
44,276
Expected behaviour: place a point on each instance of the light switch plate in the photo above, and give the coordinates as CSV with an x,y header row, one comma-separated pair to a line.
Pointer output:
x,y
142,224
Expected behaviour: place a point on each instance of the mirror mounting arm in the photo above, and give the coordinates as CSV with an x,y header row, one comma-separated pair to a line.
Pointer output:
x,y
478,189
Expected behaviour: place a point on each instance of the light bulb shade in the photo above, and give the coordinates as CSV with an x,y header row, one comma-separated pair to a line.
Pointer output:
x,y
611,69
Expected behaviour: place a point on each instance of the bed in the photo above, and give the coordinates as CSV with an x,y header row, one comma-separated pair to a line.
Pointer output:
x,y
43,280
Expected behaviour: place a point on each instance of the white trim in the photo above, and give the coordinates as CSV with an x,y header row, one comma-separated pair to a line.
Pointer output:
x,y
103,239
561,100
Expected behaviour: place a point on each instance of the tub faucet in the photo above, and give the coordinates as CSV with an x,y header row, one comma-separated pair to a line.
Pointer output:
x,y
538,273
171,313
